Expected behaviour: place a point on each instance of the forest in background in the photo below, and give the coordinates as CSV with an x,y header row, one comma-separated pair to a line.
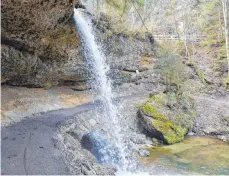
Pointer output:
x,y
187,26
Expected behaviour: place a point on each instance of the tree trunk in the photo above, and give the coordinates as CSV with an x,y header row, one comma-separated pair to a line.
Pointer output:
x,y
185,35
224,3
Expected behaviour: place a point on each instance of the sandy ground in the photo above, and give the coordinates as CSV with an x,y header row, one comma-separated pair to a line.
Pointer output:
x,y
21,102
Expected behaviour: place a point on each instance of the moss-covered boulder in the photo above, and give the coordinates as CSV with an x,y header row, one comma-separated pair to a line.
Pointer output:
x,y
159,118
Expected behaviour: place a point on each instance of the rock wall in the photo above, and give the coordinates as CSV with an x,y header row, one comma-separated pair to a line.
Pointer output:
x,y
126,52
41,46
38,42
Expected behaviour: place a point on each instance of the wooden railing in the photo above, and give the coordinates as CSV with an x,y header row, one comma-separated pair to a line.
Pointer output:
x,y
189,38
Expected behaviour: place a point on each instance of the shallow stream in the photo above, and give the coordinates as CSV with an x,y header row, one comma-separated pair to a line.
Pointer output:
x,y
195,155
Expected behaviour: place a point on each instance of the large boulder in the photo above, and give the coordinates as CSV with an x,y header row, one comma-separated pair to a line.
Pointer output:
x,y
163,120
101,147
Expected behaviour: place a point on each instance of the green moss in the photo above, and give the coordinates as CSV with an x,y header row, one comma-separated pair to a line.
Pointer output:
x,y
172,98
158,98
219,64
198,72
201,76
222,52
151,111
156,141
120,5
140,2
185,120
172,133
227,83
227,120
48,85
193,113
182,111
108,34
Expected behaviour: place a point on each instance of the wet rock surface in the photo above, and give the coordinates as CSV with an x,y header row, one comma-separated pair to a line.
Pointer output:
x,y
87,133
101,147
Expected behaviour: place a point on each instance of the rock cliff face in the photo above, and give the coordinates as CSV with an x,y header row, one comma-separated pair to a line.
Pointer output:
x,y
38,39
41,46
125,53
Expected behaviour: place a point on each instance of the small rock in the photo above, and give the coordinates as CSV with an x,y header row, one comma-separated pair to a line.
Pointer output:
x,y
155,141
190,133
92,122
144,153
138,139
224,138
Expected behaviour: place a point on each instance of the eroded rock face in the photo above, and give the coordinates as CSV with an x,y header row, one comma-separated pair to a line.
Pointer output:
x,y
26,25
24,67
212,116
126,53
41,46
39,43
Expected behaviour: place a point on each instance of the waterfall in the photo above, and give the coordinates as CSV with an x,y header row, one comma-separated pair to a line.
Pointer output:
x,y
96,60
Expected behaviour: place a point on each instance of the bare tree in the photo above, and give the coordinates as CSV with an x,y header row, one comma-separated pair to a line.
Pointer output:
x,y
224,4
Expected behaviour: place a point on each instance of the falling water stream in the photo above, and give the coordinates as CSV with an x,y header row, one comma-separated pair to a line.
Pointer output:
x,y
96,60
120,157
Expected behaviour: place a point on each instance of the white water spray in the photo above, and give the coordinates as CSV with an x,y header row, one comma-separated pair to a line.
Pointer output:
x,y
103,84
